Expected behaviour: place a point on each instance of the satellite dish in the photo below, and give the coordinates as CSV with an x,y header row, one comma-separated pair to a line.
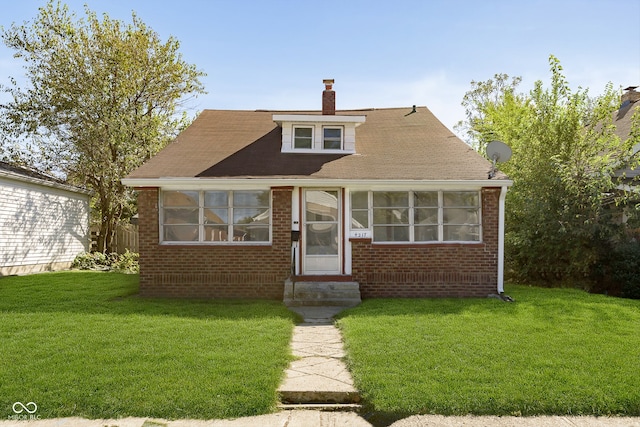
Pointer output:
x,y
498,152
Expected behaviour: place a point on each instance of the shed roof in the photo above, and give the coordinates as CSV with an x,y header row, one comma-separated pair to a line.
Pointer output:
x,y
34,176
391,145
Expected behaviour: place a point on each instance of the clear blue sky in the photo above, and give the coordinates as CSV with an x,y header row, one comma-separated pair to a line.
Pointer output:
x,y
262,54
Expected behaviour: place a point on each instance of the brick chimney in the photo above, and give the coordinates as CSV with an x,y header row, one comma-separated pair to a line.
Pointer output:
x,y
630,95
328,98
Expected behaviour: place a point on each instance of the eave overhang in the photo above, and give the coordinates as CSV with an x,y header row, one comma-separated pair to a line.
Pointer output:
x,y
316,118
256,182
43,182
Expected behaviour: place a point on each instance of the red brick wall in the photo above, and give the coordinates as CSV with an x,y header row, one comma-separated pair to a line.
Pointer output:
x,y
434,270
207,271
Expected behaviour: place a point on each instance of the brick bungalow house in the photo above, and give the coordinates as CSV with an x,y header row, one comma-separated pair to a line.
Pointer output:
x,y
251,204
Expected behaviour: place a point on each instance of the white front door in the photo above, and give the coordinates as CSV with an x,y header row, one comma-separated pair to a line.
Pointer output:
x,y
321,232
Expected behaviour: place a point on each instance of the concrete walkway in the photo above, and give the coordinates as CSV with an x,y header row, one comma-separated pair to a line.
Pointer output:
x,y
318,376
299,418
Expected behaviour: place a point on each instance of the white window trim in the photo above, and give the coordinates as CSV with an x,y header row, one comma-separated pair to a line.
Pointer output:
x,y
230,224
293,137
347,124
368,210
411,224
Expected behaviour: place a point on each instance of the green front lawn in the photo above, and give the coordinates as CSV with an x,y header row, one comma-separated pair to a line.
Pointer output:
x,y
83,344
553,351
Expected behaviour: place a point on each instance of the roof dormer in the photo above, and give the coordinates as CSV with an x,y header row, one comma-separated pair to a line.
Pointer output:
x,y
312,133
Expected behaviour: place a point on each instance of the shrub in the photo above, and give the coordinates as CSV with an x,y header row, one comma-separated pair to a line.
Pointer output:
x,y
625,269
91,261
124,263
618,270
127,262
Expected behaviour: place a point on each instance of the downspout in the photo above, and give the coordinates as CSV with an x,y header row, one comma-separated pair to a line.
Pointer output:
x,y
503,195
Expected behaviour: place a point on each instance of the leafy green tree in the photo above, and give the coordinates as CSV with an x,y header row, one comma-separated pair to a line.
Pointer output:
x,y
102,97
565,154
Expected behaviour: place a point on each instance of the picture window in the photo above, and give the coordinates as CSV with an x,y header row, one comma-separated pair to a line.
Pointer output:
x,y
417,216
216,216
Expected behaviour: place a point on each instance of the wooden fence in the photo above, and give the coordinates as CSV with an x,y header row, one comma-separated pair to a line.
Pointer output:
x,y
126,237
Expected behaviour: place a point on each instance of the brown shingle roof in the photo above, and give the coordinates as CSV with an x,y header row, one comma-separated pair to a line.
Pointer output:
x,y
622,119
390,145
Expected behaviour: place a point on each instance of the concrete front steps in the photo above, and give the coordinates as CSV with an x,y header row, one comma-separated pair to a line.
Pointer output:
x,y
321,293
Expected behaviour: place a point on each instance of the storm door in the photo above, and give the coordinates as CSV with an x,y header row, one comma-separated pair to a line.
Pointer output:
x,y
321,239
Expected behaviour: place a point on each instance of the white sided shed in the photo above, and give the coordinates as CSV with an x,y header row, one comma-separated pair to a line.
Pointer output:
x,y
44,223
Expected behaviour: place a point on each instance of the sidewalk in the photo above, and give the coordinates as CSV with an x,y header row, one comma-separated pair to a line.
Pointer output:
x,y
297,418
309,418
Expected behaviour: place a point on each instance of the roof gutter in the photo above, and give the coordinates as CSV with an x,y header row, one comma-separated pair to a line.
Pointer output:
x,y
43,182
249,182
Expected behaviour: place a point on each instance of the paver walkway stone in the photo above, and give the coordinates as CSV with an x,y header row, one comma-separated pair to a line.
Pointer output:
x,y
318,375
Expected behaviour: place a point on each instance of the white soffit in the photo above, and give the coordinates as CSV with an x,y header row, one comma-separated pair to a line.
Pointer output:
x,y
316,118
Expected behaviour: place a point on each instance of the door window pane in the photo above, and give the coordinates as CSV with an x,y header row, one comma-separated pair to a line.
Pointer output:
x,y
322,239
321,206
